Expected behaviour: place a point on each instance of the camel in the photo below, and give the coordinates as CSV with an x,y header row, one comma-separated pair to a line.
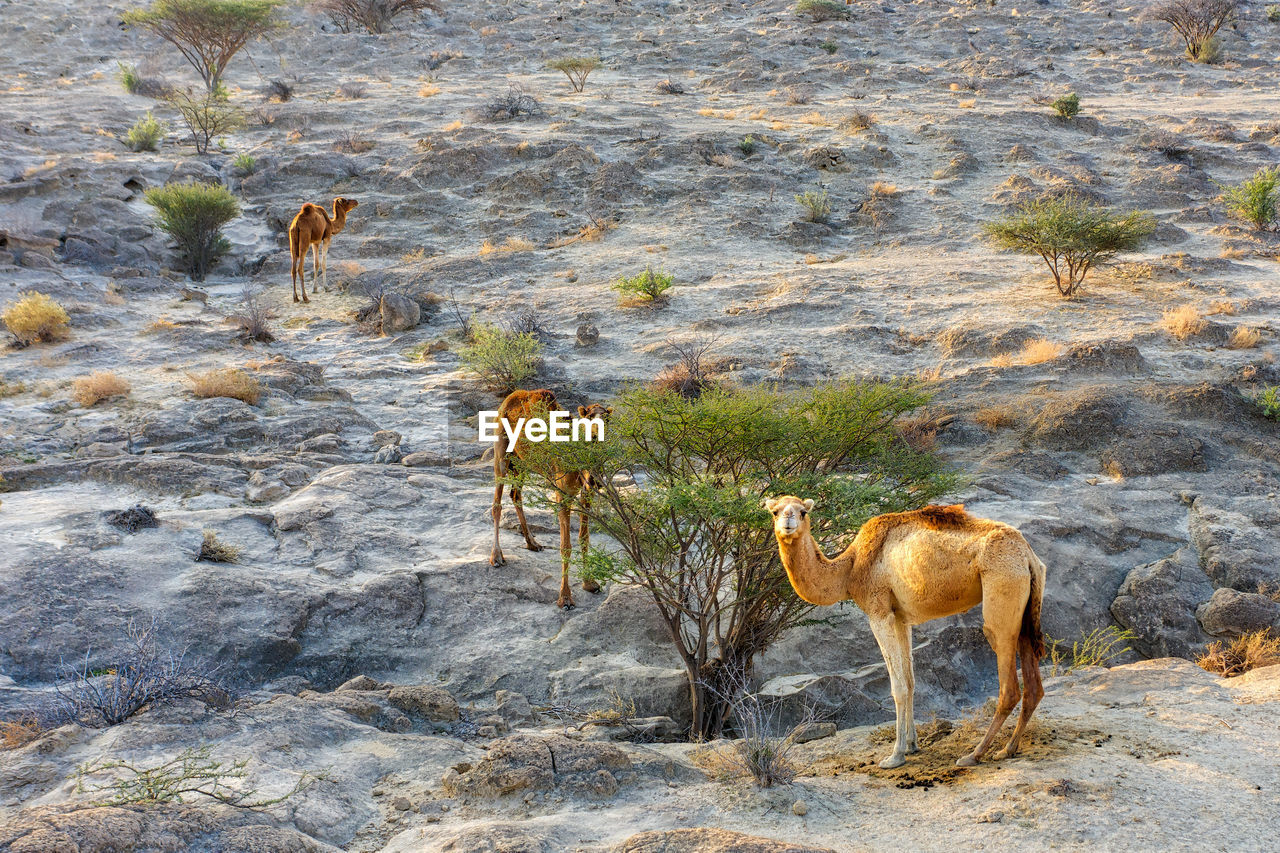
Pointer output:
x,y
568,485
906,568
313,228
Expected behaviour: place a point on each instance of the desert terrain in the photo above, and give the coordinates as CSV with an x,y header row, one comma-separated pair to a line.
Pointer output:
x,y
370,639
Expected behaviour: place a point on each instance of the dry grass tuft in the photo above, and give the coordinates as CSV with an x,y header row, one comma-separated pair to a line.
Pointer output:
x,y
1244,337
586,234
511,244
1223,306
1184,322
36,317
995,418
214,550
1238,656
226,382
1037,351
98,386
19,732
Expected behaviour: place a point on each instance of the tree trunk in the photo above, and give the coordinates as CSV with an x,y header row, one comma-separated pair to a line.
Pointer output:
x,y
713,694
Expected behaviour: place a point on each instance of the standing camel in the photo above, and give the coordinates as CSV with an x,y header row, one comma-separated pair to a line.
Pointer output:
x,y
905,568
568,484
313,228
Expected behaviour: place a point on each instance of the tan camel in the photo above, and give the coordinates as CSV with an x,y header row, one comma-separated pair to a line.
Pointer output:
x,y
568,485
313,228
905,568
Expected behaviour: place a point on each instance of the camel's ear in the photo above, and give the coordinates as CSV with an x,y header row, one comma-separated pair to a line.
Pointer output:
x,y
582,411
608,410
770,504
808,505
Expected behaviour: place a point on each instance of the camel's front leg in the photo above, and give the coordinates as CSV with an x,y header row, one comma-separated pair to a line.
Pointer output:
x,y
896,661
903,633
584,541
566,552
495,511
324,267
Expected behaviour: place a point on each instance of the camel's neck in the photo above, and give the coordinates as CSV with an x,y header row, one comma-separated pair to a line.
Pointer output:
x,y
337,221
817,579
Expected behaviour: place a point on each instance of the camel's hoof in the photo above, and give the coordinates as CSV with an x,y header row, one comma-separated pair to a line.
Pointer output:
x,y
534,546
892,761
566,605
296,299
1005,753
913,749
966,761
496,561
591,586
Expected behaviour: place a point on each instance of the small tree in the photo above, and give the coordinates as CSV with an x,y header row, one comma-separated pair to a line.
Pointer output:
x,y
576,68
193,215
680,484
1068,106
208,33
206,116
1256,200
1071,235
1197,22
503,359
374,15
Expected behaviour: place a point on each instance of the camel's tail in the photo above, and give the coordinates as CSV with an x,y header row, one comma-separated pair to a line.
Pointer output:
x,y
1031,615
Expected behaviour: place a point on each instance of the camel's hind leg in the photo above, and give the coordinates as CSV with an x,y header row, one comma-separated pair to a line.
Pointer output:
x,y
903,633
1002,604
1032,693
897,660
315,271
324,267
495,511
566,553
584,539
517,498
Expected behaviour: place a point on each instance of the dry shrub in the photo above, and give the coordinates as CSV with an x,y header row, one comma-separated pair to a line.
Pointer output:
x,y
994,418
587,233
1184,322
920,431
1244,337
36,317
1223,306
226,382
691,374
98,386
857,121
1238,656
511,244
214,550
19,732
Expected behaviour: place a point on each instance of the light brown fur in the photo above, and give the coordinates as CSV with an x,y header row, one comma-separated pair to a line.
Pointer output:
x,y
906,568
313,228
569,485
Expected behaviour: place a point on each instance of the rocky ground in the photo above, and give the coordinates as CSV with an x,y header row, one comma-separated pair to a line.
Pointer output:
x,y
1131,460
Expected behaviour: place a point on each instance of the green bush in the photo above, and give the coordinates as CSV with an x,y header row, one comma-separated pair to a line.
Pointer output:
x,y
245,164
823,10
193,215
1268,402
817,206
503,359
576,68
1097,648
1070,235
747,145
1273,13
829,46
1255,200
680,484
130,78
648,286
1068,106
206,116
208,33
145,135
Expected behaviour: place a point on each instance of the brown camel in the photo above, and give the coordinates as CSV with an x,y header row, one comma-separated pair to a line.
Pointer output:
x,y
905,568
313,228
568,484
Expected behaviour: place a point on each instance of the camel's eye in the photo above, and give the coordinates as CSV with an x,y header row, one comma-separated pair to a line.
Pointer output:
x,y
803,513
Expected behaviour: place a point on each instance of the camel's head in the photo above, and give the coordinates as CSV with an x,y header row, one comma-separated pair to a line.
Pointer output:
x,y
343,205
790,516
596,410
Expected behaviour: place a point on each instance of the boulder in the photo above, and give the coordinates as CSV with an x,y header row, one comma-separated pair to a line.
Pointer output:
x,y
1231,613
709,840
1158,603
1079,419
1158,451
433,703
522,763
399,313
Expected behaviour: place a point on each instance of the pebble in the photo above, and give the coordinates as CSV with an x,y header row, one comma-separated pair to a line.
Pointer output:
x,y
799,808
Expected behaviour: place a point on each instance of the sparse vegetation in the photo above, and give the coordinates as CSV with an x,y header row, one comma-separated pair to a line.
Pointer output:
x,y
856,121
1184,322
1037,351
208,33
1099,647
98,386
1256,200
374,16
143,675
353,142
504,360
353,90
823,10
996,418
245,164
1230,658
514,104
747,145
1244,337
693,534
226,382
214,550
829,46
137,83
206,116
254,317
816,205
1068,106
648,286
1197,23
670,87
36,317
1071,235
193,215
278,90
19,732
145,135
1273,13
576,68
690,374
764,749
1268,402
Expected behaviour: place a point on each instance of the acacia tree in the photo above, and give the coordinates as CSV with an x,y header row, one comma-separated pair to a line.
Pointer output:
x,y
1071,235
679,489
374,15
207,32
1196,21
